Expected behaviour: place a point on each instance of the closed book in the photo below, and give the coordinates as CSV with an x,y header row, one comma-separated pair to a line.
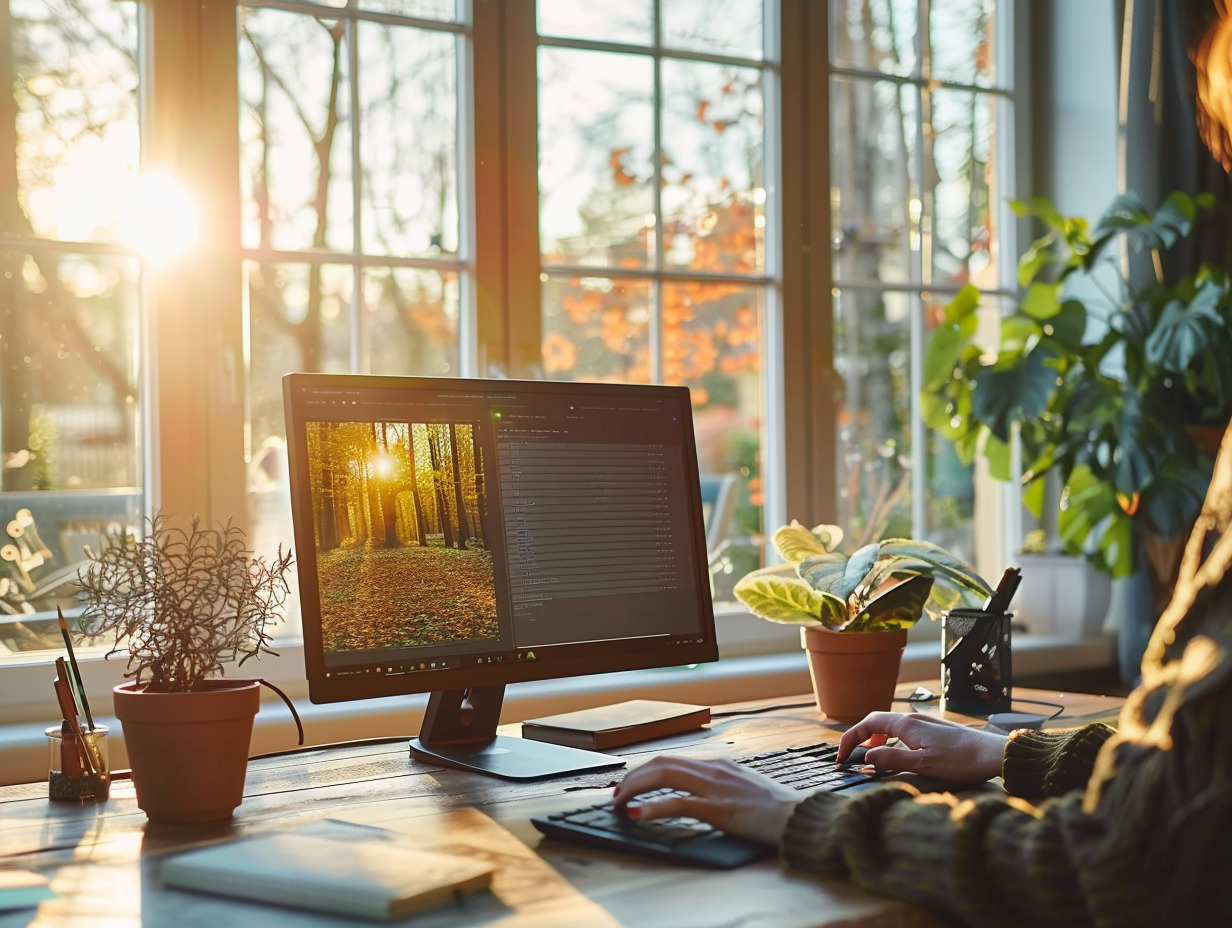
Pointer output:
x,y
618,724
362,878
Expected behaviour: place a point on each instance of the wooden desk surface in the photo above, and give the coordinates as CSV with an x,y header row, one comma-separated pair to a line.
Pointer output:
x,y
103,858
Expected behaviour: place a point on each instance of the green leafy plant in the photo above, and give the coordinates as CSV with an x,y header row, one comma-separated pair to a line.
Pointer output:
x,y
181,603
1109,392
880,586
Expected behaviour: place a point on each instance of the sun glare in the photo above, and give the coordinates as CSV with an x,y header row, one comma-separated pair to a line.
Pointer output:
x,y
162,220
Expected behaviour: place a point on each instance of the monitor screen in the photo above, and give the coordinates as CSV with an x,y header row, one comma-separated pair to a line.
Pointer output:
x,y
454,534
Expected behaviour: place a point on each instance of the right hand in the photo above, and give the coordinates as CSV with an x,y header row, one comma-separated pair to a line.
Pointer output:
x,y
928,745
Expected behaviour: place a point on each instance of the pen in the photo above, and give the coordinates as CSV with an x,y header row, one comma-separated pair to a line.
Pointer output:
x,y
999,601
76,678
76,757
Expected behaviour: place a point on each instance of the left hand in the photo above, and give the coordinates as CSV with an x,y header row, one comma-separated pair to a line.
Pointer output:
x,y
724,794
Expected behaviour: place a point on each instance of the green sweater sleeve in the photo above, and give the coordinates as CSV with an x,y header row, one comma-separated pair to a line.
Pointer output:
x,y
1051,763
991,861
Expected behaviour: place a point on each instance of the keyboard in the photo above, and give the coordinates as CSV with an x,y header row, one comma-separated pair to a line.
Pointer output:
x,y
689,841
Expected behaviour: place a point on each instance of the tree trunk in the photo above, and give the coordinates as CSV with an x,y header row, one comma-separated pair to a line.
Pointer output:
x,y
438,479
463,534
389,513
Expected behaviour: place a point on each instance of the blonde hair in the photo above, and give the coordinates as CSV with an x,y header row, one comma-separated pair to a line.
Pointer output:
x,y
1213,63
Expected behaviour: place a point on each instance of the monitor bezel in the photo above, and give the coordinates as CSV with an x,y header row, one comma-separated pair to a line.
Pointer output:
x,y
593,658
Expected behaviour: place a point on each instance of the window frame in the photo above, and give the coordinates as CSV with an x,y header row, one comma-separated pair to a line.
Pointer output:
x,y
194,344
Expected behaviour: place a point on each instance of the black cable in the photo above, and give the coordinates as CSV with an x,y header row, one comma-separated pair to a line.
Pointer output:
x,y
788,705
1059,709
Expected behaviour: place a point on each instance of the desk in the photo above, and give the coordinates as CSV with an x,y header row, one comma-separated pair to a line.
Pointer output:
x,y
103,858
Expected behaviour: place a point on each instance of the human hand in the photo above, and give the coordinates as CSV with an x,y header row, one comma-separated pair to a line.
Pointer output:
x,y
927,745
724,794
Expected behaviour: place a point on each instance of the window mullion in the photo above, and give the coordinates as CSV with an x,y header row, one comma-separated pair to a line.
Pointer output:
x,y
520,123
194,314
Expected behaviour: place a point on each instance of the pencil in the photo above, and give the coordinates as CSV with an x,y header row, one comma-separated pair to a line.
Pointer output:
x,y
76,671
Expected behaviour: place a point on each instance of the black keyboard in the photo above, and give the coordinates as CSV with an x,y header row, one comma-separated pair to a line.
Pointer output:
x,y
689,841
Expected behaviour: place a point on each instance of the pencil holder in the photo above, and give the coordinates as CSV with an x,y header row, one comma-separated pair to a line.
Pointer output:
x,y
77,766
976,667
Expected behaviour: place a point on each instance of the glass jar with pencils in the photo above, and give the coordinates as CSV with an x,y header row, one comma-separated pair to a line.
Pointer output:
x,y
77,763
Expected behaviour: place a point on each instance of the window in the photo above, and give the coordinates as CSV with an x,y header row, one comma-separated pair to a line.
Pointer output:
x,y
653,214
351,158
919,111
568,190
71,205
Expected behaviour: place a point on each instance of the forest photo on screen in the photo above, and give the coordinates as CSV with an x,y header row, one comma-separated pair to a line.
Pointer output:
x,y
402,557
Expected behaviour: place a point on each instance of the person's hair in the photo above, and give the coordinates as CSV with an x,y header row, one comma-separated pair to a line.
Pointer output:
x,y
1213,64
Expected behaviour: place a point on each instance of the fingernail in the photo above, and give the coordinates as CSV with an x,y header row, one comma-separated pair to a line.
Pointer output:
x,y
868,770
634,812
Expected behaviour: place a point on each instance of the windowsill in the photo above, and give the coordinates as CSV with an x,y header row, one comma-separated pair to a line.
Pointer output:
x,y
731,679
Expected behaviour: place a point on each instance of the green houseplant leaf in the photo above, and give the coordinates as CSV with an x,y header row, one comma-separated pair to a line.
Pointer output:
x,y
796,543
881,586
1099,384
783,597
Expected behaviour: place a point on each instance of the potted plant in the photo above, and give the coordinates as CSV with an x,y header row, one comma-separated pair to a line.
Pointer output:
x,y
854,610
1114,392
182,603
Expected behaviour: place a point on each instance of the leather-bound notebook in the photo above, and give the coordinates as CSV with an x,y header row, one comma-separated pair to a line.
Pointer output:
x,y
618,724
362,877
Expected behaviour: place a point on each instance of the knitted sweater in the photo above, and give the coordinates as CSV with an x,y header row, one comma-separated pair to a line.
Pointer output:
x,y
1097,827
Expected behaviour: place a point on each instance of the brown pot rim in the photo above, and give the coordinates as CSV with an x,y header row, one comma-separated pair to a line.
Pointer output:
x,y
820,638
225,700
129,688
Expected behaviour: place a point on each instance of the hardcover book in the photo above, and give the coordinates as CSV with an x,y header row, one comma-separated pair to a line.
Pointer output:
x,y
362,877
618,724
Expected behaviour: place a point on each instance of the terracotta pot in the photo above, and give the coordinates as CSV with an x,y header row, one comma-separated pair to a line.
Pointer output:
x,y
853,673
188,751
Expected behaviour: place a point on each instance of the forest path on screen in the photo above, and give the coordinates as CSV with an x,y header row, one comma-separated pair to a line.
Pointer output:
x,y
405,597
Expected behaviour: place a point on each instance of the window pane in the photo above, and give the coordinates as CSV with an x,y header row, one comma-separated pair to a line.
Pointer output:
x,y
596,329
299,320
962,39
949,484
872,358
713,194
596,176
294,132
875,194
964,235
712,344
874,35
445,10
75,90
629,21
412,322
718,27
408,141
69,337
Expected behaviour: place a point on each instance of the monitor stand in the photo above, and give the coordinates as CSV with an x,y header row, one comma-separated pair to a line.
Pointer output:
x,y
459,730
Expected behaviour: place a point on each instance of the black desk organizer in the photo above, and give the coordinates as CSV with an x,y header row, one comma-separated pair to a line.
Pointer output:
x,y
976,667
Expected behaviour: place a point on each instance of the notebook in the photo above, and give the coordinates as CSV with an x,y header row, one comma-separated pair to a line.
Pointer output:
x,y
617,725
362,877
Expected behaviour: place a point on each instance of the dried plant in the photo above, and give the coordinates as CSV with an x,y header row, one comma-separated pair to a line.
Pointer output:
x,y
182,603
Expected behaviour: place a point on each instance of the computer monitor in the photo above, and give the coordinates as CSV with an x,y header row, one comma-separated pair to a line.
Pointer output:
x,y
456,535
